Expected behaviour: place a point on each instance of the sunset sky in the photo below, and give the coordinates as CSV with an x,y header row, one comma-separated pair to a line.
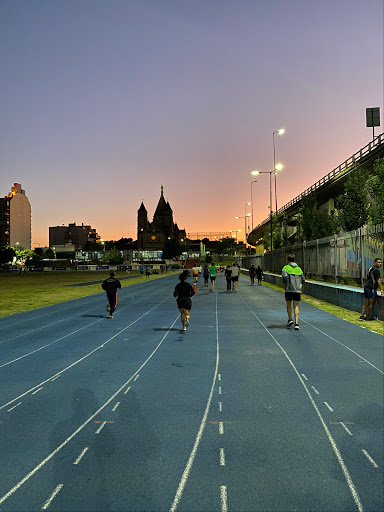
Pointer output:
x,y
102,102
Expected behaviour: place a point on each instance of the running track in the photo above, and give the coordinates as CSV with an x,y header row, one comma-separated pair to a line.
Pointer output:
x,y
238,413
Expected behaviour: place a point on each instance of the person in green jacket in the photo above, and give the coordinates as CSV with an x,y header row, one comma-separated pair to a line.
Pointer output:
x,y
293,279
212,275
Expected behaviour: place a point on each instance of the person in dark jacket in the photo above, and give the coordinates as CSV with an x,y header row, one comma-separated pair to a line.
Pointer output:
x,y
110,286
370,289
252,273
259,274
184,292
228,277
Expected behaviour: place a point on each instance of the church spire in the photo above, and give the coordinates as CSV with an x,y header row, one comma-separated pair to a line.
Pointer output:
x,y
162,191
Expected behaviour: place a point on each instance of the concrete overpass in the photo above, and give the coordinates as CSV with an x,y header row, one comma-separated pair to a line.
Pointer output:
x,y
326,189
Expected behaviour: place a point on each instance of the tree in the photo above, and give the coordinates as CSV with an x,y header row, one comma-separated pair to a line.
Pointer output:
x,y
312,223
7,254
375,188
172,249
113,257
49,254
353,205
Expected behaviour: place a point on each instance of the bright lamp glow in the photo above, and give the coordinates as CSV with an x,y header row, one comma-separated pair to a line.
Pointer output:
x,y
280,132
279,167
255,173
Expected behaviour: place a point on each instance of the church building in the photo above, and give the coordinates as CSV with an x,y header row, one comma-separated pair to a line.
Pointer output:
x,y
152,236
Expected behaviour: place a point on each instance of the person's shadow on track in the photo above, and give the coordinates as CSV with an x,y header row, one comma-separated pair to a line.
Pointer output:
x,y
84,487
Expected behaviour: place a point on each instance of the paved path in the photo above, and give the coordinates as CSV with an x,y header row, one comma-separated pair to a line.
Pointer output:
x,y
238,413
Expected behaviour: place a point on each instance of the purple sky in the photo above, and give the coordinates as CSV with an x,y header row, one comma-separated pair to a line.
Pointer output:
x,y
104,101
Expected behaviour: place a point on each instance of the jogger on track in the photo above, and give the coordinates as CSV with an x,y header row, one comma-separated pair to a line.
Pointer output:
x,y
184,292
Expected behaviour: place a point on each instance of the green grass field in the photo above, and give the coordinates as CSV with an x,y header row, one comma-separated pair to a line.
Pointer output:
x,y
37,289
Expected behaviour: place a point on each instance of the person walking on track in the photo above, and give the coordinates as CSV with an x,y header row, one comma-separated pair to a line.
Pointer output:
x,y
252,273
259,274
212,275
370,289
110,286
206,275
228,277
293,279
184,292
235,276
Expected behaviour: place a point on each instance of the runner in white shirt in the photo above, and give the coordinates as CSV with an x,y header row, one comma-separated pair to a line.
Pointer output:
x,y
235,276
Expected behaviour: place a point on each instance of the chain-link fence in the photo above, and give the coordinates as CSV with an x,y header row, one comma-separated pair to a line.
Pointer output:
x,y
342,258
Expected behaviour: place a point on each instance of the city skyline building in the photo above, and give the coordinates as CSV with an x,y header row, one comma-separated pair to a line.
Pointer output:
x,y
16,219
72,234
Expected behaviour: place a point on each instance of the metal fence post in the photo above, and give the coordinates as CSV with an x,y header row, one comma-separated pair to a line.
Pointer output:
x,y
318,259
336,262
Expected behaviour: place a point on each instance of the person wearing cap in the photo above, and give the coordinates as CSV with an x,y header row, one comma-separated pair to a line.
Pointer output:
x,y
110,286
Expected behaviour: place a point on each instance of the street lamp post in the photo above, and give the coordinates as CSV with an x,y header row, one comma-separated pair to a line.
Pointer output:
x,y
254,181
245,217
274,171
277,167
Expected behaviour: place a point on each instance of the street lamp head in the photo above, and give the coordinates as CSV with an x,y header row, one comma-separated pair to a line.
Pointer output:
x,y
281,131
237,217
255,173
278,167
248,214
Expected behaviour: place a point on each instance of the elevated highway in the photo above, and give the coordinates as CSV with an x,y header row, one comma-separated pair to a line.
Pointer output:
x,y
326,189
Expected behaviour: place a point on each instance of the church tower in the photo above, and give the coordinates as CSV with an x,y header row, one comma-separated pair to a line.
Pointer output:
x,y
142,224
163,217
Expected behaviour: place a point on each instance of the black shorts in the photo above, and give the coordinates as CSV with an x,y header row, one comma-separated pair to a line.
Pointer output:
x,y
184,302
213,278
235,278
292,296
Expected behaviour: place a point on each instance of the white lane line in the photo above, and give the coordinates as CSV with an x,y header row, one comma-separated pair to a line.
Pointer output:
x,y
84,357
345,346
49,344
336,450
223,498
37,390
221,427
222,457
219,390
33,330
219,376
80,428
101,427
52,497
74,332
346,428
220,406
304,377
315,390
14,407
135,379
126,391
370,459
188,467
54,378
116,406
81,455
329,407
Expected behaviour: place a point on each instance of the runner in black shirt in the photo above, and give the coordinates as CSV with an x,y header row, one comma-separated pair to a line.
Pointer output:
x,y
184,292
370,289
111,285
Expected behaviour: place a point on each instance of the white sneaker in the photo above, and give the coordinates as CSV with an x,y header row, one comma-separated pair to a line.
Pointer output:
x,y
297,328
186,322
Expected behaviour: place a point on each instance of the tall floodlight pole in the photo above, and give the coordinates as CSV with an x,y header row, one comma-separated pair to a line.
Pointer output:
x,y
277,167
254,181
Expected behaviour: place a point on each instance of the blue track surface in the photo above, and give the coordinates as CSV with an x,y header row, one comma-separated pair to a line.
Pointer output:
x,y
238,413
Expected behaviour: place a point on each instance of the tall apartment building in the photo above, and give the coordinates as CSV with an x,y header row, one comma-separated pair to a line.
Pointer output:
x,y
15,219
72,234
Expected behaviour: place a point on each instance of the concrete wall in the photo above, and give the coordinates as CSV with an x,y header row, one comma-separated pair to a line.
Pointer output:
x,y
346,297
